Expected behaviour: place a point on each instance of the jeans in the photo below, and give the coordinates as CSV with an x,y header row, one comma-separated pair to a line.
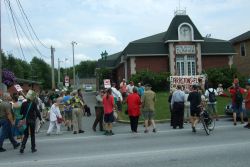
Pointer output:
x,y
6,131
30,130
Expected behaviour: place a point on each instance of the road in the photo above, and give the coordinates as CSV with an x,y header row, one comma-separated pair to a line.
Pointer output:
x,y
228,146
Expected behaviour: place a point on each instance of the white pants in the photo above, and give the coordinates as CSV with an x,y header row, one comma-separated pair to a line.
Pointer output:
x,y
52,125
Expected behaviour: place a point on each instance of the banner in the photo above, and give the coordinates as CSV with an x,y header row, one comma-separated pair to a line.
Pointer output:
x,y
186,81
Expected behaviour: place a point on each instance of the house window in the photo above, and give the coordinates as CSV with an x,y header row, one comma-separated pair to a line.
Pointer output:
x,y
242,49
185,65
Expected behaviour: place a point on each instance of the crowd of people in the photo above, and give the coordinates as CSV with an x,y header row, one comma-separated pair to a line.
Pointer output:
x,y
23,114
187,104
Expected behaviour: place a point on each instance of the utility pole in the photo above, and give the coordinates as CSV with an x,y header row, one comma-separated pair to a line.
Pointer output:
x,y
52,68
74,70
59,70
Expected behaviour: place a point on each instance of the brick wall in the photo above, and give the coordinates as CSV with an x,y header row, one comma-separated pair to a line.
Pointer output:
x,y
120,73
242,62
26,87
154,63
214,61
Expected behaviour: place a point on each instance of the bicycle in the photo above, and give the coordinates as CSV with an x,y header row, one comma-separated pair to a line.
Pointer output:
x,y
207,121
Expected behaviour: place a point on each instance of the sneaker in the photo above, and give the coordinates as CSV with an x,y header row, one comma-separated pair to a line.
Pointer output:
x,y
247,126
16,145
235,123
33,150
181,127
193,129
154,130
111,133
21,150
106,133
2,149
75,132
81,131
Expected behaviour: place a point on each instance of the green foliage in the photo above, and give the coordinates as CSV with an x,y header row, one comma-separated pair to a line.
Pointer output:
x,y
86,69
158,81
224,76
103,73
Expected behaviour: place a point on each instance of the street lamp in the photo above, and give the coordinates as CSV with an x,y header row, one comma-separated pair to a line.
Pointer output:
x,y
104,55
74,70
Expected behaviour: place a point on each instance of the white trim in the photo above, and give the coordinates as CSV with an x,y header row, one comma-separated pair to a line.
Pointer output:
x,y
243,43
190,26
134,55
167,41
218,54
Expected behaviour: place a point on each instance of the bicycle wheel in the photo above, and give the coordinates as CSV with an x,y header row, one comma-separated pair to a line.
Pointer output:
x,y
211,124
204,125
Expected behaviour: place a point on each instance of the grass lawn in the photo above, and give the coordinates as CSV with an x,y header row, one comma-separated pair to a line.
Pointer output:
x,y
162,107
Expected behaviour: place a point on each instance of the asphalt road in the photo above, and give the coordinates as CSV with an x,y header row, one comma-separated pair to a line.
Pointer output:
x,y
228,146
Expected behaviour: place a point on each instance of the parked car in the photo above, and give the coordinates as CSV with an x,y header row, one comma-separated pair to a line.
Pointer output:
x,y
88,88
229,111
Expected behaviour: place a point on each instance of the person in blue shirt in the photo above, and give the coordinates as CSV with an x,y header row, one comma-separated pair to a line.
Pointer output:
x,y
140,89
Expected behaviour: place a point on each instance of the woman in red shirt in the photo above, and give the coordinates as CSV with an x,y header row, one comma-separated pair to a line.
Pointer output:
x,y
108,106
134,102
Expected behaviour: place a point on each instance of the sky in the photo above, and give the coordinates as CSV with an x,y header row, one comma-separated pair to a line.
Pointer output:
x,y
99,25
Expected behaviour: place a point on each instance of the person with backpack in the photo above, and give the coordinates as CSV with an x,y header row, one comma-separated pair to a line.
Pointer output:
x,y
237,98
211,94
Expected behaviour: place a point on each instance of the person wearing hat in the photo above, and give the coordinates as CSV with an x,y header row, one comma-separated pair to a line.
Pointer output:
x,y
194,98
30,112
77,112
148,107
6,122
247,104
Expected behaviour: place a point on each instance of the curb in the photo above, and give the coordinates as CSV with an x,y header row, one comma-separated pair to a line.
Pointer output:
x,y
163,120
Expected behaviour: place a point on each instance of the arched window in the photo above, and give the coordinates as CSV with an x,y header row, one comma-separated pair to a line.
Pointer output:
x,y
185,31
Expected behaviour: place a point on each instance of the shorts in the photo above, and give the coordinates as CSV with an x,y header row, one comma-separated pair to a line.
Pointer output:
x,y
237,108
109,118
68,115
148,115
195,112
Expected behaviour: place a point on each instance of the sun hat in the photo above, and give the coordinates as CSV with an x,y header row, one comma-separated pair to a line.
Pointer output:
x,y
31,95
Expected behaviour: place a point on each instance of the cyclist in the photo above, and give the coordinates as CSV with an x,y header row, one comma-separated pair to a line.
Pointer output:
x,y
195,101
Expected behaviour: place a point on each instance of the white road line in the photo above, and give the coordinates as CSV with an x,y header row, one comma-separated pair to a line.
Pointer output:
x,y
124,154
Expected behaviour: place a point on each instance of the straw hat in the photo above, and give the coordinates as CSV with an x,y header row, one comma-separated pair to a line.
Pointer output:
x,y
31,95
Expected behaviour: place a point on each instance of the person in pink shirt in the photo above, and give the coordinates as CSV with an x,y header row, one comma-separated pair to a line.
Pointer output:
x,y
134,103
123,89
108,106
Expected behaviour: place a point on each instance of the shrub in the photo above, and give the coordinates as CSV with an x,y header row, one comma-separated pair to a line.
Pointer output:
x,y
158,81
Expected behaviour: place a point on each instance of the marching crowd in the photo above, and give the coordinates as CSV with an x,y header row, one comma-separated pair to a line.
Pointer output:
x,y
22,115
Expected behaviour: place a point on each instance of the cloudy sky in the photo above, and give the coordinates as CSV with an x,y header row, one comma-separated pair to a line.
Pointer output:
x,y
98,25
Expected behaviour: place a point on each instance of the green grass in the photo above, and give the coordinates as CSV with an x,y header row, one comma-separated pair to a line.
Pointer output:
x,y
162,107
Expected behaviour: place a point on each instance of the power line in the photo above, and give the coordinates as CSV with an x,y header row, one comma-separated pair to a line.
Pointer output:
x,y
15,28
30,39
31,25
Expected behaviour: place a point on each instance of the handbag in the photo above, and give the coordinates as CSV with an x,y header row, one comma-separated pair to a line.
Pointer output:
x,y
59,120
22,123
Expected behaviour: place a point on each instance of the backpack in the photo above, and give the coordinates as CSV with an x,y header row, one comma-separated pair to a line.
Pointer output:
x,y
211,96
238,97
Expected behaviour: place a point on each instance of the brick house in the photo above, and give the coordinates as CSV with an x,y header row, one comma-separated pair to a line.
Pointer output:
x,y
241,60
26,86
181,50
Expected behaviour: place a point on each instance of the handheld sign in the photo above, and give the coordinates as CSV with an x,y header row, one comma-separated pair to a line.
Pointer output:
x,y
18,88
107,83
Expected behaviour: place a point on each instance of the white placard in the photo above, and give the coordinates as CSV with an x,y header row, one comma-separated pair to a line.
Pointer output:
x,y
107,83
18,87
186,81
185,49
